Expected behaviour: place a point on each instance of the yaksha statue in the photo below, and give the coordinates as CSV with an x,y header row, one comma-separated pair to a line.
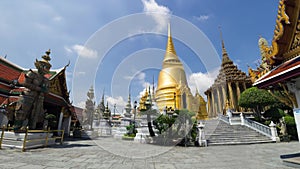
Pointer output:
x,y
30,109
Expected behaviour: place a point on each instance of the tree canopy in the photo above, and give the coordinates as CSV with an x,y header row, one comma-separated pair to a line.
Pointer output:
x,y
256,99
253,97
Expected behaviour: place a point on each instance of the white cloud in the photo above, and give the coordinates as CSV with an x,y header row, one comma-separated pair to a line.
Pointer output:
x,y
160,14
202,81
84,51
202,17
68,49
118,101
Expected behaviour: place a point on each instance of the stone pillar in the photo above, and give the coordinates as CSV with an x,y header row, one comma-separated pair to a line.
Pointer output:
x,y
274,132
242,119
224,96
213,103
231,98
66,125
238,94
219,102
293,88
208,103
60,120
201,135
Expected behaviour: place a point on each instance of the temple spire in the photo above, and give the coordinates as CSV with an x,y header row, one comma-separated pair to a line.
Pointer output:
x,y
170,45
225,57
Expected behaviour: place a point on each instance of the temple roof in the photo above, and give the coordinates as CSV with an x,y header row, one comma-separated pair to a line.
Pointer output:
x,y
287,44
10,72
228,71
287,70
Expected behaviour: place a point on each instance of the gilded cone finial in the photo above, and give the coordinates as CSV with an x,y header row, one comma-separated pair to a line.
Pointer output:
x,y
224,52
170,45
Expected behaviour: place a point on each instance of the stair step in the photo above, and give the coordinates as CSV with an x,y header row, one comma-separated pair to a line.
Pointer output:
x,y
218,132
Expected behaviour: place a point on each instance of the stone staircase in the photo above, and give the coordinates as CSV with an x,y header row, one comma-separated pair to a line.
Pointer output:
x,y
217,132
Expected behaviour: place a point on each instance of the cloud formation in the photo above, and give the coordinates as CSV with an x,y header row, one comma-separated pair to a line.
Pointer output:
x,y
85,52
159,13
202,81
82,51
118,101
202,17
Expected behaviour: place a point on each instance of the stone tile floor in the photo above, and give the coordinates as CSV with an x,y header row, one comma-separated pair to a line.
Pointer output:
x,y
116,154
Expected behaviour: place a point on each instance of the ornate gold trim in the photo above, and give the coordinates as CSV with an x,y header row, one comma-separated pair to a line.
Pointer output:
x,y
271,51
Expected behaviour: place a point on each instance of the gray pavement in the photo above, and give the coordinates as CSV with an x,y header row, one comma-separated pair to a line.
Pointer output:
x,y
118,154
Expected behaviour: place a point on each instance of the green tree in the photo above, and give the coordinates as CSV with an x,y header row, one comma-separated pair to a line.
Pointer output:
x,y
256,99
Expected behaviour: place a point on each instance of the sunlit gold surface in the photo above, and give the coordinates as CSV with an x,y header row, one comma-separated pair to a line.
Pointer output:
x,y
172,82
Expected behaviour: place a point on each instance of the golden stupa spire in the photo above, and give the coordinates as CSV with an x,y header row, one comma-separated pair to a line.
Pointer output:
x,y
170,45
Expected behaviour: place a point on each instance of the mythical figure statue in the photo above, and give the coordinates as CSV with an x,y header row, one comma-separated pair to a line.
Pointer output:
x,y
283,129
30,109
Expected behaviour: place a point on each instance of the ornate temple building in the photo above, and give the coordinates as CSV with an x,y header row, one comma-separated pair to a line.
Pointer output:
x,y
172,87
227,87
56,101
280,62
279,71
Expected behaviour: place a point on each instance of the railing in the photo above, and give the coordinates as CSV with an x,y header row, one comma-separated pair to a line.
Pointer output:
x,y
263,129
224,118
26,140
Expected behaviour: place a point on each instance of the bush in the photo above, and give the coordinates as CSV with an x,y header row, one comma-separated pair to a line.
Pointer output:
x,y
274,114
291,127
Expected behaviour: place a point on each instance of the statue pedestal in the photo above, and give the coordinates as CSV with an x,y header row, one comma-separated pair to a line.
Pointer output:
x,y
104,128
33,140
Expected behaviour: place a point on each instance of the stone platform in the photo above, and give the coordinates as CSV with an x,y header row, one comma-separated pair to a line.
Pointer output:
x,y
33,140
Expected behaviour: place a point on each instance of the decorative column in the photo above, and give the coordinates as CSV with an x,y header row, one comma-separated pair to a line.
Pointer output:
x,y
238,93
201,136
274,132
224,96
219,101
60,121
213,103
208,102
242,119
230,95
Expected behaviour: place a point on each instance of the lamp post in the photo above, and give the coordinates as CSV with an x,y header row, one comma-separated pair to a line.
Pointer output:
x,y
134,114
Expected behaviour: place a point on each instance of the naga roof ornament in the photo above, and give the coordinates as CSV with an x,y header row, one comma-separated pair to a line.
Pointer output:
x,y
271,51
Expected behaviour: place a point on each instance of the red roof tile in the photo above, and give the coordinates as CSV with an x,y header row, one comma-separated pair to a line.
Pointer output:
x,y
8,73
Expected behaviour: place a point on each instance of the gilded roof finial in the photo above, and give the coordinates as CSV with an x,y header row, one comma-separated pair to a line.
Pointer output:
x,y
223,46
47,56
170,45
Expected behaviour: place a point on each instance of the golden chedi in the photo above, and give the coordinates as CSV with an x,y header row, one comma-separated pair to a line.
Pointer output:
x,y
172,87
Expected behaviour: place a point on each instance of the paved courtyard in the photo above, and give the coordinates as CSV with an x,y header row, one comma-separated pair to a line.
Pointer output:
x,y
111,153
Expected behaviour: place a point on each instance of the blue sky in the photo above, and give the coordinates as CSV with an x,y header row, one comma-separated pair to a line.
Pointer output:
x,y
28,28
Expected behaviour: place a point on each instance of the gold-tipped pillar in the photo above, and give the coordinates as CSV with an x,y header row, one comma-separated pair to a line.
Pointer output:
x,y
219,101
208,102
238,93
231,99
213,103
224,96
